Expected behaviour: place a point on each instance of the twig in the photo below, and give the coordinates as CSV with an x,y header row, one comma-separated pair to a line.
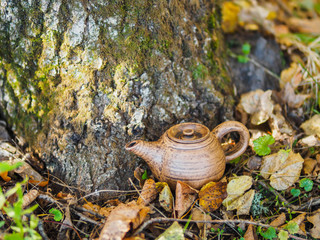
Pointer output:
x,y
107,191
159,220
89,211
311,203
42,231
278,195
85,218
284,7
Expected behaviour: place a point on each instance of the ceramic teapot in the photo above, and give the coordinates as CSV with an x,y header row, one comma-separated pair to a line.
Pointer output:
x,y
189,152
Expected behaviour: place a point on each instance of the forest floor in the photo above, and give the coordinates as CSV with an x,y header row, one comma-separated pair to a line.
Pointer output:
x,y
271,192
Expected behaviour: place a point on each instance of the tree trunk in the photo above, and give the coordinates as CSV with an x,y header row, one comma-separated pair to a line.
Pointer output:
x,y
80,79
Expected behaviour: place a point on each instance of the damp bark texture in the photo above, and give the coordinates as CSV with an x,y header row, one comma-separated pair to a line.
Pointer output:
x,y
80,79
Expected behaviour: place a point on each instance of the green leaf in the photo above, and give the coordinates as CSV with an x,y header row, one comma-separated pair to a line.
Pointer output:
x,y
242,59
33,221
57,214
14,236
295,192
246,48
261,145
2,223
283,235
30,209
306,183
144,175
269,234
292,227
6,166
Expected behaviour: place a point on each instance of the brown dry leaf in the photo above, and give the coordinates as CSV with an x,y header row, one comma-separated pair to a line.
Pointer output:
x,y
299,221
283,168
197,214
5,176
229,16
310,141
312,126
185,196
292,75
305,25
257,103
138,172
279,126
254,162
165,196
212,194
251,233
174,232
309,165
120,219
237,198
315,220
29,197
148,193
140,236
293,100
280,220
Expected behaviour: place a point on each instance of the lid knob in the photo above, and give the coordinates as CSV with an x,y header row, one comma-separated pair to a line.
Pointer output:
x,y
188,133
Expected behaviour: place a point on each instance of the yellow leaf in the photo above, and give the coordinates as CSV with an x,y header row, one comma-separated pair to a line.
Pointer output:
x,y
229,16
212,194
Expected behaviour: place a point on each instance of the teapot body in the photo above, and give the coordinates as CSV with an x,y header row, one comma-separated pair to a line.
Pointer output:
x,y
194,164
189,152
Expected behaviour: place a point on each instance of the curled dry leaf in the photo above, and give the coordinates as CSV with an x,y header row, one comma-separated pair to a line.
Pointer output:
x,y
280,220
138,172
185,196
309,165
29,197
315,220
165,196
251,233
212,194
292,75
120,219
175,232
293,100
279,126
148,193
257,103
310,141
237,198
312,126
305,25
283,168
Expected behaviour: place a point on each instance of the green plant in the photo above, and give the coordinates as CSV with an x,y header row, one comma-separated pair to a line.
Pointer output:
x,y
200,72
57,214
144,175
246,48
270,233
306,183
292,227
283,235
295,192
261,145
21,228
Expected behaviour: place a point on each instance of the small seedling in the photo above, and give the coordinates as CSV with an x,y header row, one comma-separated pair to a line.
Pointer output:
x,y
306,183
144,175
57,214
295,192
261,145
246,48
269,234
292,227
283,235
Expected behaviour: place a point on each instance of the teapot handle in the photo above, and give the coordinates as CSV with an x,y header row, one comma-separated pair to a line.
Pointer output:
x,y
233,126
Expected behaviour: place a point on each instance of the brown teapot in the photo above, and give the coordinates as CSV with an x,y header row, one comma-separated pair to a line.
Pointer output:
x,y
189,152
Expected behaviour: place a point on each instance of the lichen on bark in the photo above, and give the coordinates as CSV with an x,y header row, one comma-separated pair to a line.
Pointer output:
x,y
79,79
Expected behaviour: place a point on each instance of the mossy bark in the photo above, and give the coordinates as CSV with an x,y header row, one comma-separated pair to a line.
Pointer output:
x,y
79,79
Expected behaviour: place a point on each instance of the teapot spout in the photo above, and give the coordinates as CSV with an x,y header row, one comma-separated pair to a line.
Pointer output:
x,y
151,152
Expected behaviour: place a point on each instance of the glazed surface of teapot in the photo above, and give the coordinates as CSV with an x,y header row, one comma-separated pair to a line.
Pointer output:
x,y
191,153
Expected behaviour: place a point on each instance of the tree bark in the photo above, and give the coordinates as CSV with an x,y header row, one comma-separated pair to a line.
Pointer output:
x,y
80,79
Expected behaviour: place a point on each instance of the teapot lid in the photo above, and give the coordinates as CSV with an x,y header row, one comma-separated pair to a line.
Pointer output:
x,y
188,133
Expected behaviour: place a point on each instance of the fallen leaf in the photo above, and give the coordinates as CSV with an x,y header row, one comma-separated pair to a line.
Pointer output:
x,y
197,214
312,126
298,220
292,75
282,168
278,124
305,25
138,172
174,232
120,219
211,195
310,141
29,197
254,162
5,177
309,165
185,196
315,220
165,196
229,16
237,198
257,103
148,193
280,220
293,100
251,233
